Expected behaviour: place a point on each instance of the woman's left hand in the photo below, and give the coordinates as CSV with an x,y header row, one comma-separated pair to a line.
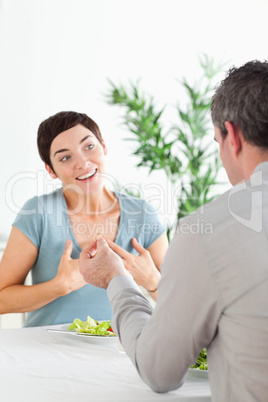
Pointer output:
x,y
141,266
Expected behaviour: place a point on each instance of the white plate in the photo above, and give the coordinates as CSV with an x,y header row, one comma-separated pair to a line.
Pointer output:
x,y
64,329
85,335
198,373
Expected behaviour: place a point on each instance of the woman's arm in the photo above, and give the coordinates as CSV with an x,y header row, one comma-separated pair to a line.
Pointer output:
x,y
158,251
18,259
145,267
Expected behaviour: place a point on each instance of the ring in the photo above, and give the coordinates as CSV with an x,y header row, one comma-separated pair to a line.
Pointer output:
x,y
98,234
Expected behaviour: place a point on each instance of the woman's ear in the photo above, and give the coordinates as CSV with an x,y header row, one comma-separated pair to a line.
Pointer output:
x,y
104,147
51,172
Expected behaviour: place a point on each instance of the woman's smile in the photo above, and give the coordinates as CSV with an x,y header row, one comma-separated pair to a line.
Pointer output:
x,y
87,176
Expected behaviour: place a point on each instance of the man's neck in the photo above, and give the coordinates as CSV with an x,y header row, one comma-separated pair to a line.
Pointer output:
x,y
252,157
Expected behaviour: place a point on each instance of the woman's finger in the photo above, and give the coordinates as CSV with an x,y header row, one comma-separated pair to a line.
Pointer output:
x,y
128,267
137,246
117,249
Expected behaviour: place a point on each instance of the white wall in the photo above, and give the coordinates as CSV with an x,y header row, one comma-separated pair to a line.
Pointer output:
x,y
57,55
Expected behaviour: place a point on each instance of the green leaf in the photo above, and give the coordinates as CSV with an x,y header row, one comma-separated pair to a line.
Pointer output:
x,y
185,149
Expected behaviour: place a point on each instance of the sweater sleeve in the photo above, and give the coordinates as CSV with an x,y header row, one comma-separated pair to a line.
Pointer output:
x,y
164,343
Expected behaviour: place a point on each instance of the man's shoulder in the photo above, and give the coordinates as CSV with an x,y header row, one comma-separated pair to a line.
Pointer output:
x,y
242,204
213,211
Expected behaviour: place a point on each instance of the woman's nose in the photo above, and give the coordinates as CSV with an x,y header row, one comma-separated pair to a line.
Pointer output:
x,y
82,162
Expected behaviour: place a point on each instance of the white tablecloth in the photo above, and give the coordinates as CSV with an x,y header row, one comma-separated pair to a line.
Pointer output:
x,y
37,365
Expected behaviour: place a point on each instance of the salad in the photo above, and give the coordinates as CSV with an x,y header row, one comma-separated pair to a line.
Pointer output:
x,y
201,361
92,326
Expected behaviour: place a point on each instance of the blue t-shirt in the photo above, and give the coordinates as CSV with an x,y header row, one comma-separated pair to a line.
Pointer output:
x,y
45,221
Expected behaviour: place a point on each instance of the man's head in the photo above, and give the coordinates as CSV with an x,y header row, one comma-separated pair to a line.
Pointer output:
x,y
240,115
242,99
54,125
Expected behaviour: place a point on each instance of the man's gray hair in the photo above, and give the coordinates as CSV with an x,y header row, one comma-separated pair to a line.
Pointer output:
x,y
242,99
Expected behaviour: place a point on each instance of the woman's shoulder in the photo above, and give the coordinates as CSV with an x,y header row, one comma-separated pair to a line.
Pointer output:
x,y
134,203
40,203
139,219
135,206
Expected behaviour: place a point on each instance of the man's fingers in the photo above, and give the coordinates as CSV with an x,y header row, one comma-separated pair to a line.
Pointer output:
x,y
90,250
101,242
137,246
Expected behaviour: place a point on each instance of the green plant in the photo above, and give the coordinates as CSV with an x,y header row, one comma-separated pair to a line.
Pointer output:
x,y
186,150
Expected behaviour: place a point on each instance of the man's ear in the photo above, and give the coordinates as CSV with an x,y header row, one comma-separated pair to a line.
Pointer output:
x,y
234,137
51,172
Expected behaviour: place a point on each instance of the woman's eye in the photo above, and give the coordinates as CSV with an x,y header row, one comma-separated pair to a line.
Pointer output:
x,y
65,158
90,146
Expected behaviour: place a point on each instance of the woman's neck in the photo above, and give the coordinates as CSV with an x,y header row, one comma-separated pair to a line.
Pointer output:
x,y
95,204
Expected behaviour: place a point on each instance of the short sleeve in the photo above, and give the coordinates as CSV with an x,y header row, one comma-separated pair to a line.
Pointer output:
x,y
138,219
30,220
153,226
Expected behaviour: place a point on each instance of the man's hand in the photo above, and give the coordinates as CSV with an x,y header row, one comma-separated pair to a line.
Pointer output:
x,y
99,269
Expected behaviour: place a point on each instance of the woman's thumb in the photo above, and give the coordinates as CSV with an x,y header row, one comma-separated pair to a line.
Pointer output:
x,y
68,248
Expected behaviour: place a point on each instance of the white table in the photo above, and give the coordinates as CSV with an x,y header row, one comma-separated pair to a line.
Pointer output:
x,y
37,365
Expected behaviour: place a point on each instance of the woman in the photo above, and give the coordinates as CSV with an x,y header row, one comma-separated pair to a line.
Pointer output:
x,y
51,230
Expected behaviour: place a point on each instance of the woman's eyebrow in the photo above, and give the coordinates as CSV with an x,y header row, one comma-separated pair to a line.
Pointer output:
x,y
65,149
84,139
60,150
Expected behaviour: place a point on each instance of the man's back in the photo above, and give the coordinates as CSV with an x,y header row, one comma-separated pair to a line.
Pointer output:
x,y
237,255
213,293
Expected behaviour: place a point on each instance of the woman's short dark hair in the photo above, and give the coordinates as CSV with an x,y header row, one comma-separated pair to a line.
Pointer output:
x,y
242,99
56,124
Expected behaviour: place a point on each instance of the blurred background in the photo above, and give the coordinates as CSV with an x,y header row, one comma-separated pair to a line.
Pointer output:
x,y
59,54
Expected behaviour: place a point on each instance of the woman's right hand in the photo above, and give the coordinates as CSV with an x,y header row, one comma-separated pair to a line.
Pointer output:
x,y
68,276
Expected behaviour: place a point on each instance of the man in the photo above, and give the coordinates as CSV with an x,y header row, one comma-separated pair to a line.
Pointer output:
x,y
214,287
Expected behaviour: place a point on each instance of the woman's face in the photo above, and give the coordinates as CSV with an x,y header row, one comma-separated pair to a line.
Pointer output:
x,y
78,159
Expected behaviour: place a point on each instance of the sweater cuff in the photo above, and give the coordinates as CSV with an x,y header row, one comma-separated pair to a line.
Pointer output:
x,y
121,282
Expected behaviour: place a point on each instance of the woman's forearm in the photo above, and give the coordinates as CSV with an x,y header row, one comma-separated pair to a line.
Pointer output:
x,y
15,297
154,294
22,298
